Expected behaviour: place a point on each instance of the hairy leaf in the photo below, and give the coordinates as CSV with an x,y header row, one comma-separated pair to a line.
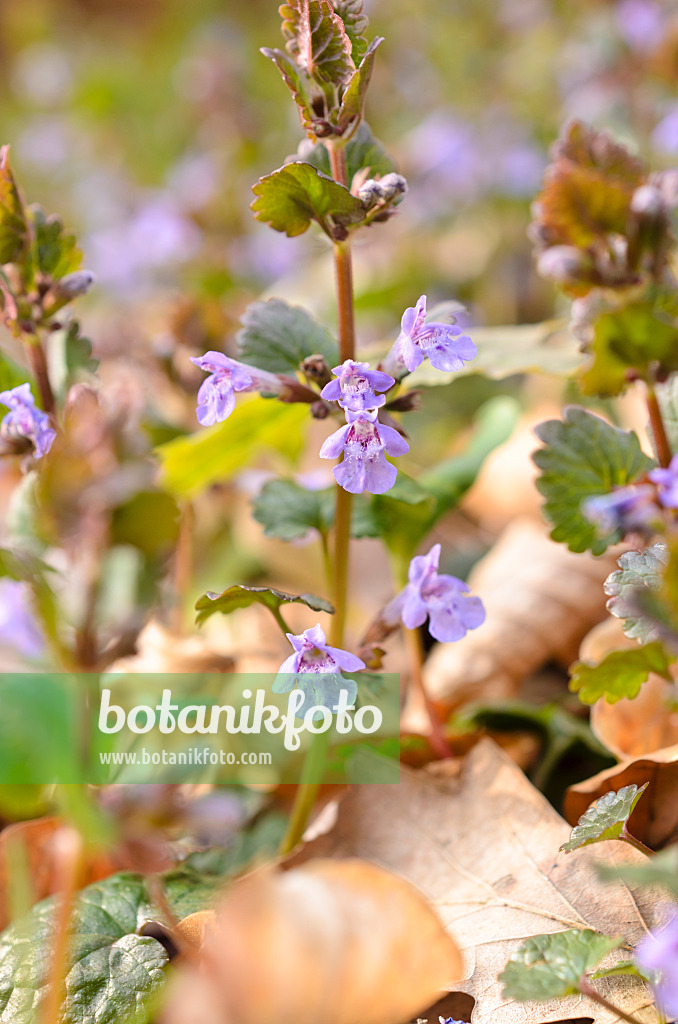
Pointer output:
x,y
355,23
619,674
291,197
606,819
317,40
552,966
583,457
278,337
288,511
637,569
13,226
353,100
239,596
631,338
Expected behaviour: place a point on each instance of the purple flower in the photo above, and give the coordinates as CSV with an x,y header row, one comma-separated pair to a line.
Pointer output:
x,y
658,951
667,483
665,135
365,444
216,398
444,344
355,386
18,628
25,420
641,23
443,599
315,669
629,509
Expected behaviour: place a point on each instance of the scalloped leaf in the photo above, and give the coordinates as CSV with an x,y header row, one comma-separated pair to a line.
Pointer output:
x,y
353,100
583,456
363,150
278,337
637,570
606,819
13,224
55,251
291,197
553,966
317,40
355,23
239,596
620,673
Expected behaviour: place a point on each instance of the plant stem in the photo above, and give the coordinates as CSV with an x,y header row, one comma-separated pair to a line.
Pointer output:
x,y
415,652
275,612
69,849
38,364
183,565
626,837
317,752
661,440
588,990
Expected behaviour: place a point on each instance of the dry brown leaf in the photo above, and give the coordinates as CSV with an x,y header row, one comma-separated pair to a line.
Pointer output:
x,y
334,942
655,819
630,728
540,599
484,849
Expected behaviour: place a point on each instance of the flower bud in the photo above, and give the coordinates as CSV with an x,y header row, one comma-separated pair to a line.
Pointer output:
x,y
393,185
565,264
73,285
370,192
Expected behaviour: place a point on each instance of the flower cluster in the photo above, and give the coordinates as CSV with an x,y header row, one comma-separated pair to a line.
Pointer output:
x,y
216,397
315,668
25,420
443,599
445,345
636,508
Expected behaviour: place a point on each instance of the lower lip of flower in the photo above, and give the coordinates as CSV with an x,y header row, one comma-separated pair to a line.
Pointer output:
x,y
430,339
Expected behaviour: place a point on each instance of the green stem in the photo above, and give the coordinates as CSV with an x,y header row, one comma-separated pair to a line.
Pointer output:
x,y
327,559
317,753
38,363
588,990
661,440
275,612
626,837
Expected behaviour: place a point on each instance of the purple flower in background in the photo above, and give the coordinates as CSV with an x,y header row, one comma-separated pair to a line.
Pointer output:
x,y
355,386
18,628
442,599
658,951
444,344
629,509
25,420
667,483
640,23
665,135
319,667
216,398
365,444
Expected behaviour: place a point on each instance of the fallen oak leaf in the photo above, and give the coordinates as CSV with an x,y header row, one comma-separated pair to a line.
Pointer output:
x,y
484,850
334,942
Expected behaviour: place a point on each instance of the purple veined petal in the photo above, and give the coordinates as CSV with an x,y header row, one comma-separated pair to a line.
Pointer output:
x,y
350,474
20,395
345,660
473,612
394,443
212,362
297,641
332,391
218,402
379,380
380,475
445,625
451,354
316,635
333,446
414,317
411,353
422,565
414,611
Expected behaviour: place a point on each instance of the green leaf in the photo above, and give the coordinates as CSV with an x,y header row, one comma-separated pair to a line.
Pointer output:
x,y
288,511
291,197
355,23
55,252
362,151
110,970
317,40
631,338
619,674
13,226
637,570
544,348
278,337
623,968
239,596
148,522
552,966
69,357
583,457
191,464
606,819
353,100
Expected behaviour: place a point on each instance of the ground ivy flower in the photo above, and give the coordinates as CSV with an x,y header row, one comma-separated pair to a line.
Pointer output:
x,y
365,444
315,668
667,483
629,509
18,628
658,951
443,599
25,420
355,386
216,397
444,344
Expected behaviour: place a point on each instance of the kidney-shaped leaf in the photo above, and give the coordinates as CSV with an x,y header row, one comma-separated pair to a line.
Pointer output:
x,y
239,596
606,819
290,198
552,966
